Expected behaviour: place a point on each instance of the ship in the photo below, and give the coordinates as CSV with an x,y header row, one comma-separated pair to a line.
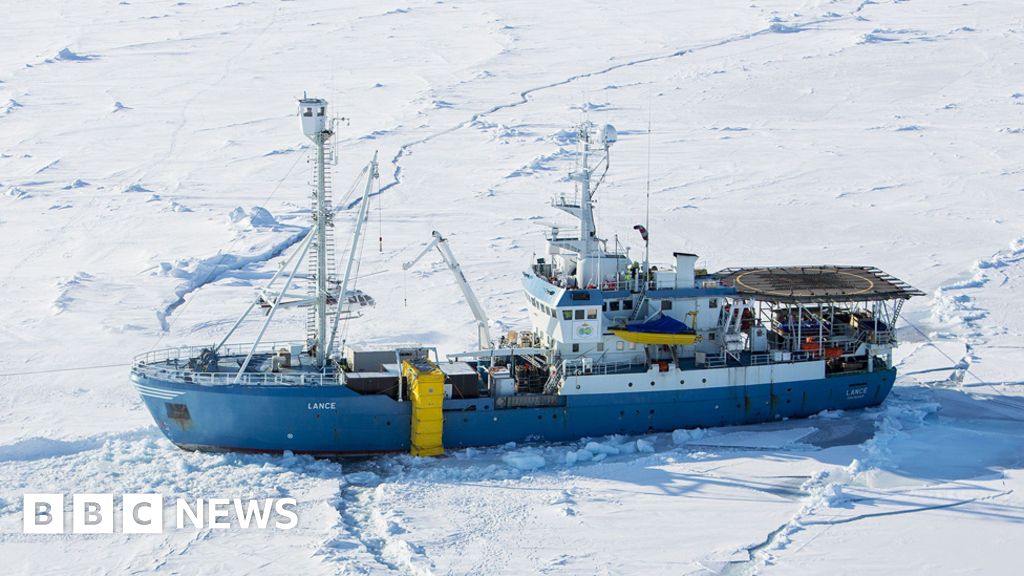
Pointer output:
x,y
614,346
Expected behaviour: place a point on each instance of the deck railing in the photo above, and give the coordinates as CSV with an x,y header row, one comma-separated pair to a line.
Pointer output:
x,y
579,367
171,364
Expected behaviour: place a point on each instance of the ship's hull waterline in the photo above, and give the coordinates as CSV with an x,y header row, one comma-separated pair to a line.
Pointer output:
x,y
334,420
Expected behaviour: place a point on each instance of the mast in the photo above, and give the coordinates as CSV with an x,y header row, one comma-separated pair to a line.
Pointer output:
x,y
587,230
590,254
316,128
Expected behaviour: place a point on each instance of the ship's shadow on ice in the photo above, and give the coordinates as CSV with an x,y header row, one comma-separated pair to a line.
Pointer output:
x,y
919,436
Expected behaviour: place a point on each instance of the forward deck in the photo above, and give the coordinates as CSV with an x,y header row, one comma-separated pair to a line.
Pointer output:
x,y
182,365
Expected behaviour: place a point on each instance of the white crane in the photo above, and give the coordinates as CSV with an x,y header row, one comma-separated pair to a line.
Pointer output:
x,y
439,242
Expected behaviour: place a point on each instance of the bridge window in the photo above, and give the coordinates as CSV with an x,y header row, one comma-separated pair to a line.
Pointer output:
x,y
666,304
591,313
579,313
566,314
713,303
627,304
575,347
613,305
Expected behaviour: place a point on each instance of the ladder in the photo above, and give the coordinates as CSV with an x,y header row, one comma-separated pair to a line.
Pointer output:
x,y
554,381
327,240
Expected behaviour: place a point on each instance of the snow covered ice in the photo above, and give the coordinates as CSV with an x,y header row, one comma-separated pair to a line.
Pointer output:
x,y
152,175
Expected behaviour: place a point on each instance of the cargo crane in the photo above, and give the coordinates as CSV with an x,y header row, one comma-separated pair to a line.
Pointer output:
x,y
439,242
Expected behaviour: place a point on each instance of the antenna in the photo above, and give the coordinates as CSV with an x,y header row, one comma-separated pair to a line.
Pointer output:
x,y
647,222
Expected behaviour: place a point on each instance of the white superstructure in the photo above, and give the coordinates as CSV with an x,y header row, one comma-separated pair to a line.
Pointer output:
x,y
611,324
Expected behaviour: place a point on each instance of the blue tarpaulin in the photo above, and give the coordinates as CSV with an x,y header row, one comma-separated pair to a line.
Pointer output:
x,y
805,327
660,325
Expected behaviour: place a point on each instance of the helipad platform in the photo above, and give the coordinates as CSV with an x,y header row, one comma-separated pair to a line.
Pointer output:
x,y
816,284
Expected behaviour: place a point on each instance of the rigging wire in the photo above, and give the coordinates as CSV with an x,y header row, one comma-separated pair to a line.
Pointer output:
x,y
66,369
647,219
380,219
927,338
355,284
224,254
955,363
344,203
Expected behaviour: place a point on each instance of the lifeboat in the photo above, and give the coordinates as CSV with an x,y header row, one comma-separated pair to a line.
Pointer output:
x,y
663,330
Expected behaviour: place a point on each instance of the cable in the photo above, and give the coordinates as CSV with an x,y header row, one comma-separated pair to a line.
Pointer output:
x,y
223,254
947,356
380,219
359,265
68,369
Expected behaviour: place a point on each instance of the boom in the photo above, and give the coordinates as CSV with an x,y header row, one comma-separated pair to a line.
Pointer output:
x,y
439,242
371,176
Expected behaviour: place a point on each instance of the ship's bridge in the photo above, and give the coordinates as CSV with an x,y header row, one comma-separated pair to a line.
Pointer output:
x,y
582,320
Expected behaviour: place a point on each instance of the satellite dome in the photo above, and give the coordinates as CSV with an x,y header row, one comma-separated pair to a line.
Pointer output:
x,y
608,135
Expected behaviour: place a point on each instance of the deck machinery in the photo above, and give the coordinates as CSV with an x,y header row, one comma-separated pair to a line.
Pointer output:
x,y
613,347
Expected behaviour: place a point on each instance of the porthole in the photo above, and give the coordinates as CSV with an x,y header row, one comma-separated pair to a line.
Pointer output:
x,y
652,382
388,423
704,380
577,386
630,384
682,382
652,412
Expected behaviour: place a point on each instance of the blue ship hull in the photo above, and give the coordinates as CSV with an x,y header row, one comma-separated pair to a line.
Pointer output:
x,y
334,420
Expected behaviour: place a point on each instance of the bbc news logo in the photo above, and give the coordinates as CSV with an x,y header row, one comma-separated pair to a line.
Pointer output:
x,y
144,513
